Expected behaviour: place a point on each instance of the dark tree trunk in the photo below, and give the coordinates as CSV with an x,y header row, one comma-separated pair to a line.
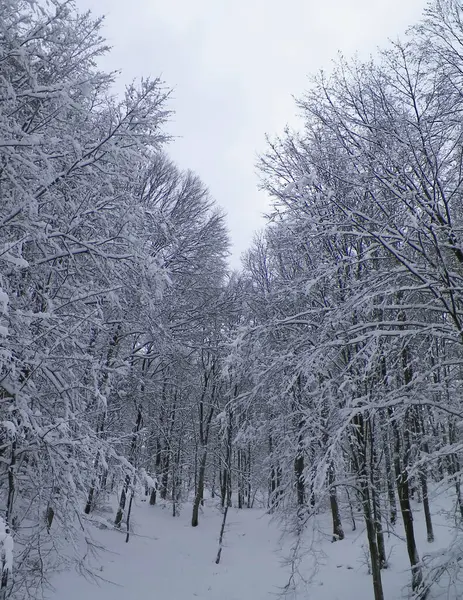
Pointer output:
x,y
375,496
222,532
248,477
11,486
204,429
228,502
132,456
338,532
401,470
273,480
122,501
390,484
200,489
165,475
240,479
299,462
101,424
129,512
90,498
299,473
372,544
379,530
351,509
223,476
426,507
405,507
360,439
423,477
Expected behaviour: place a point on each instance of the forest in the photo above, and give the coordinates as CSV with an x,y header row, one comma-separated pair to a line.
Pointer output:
x,y
323,377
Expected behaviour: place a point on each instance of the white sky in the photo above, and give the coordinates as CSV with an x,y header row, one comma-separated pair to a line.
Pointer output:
x,y
234,66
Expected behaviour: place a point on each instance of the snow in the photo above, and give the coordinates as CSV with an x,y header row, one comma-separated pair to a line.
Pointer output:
x,y
149,481
10,427
6,547
3,301
168,559
340,571
15,260
288,189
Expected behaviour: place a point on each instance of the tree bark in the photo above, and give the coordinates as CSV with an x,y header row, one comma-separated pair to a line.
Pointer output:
x,y
338,532
405,507
132,456
200,489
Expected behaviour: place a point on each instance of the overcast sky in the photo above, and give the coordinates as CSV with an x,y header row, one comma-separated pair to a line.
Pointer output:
x,y
234,66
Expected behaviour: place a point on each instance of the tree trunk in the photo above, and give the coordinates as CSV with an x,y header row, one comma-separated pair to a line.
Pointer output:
x,y
351,510
222,531
200,489
426,508
248,477
390,484
379,530
361,438
129,512
122,501
338,532
403,483
91,493
375,497
299,473
132,458
240,479
223,475
228,503
405,507
372,543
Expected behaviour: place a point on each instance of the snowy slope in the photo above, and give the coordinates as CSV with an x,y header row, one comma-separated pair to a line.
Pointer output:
x,y
166,559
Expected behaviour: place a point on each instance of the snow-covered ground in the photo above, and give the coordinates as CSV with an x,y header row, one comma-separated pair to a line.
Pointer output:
x,y
166,559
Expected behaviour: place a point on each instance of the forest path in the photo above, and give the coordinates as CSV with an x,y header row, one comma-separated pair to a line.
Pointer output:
x,y
167,559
